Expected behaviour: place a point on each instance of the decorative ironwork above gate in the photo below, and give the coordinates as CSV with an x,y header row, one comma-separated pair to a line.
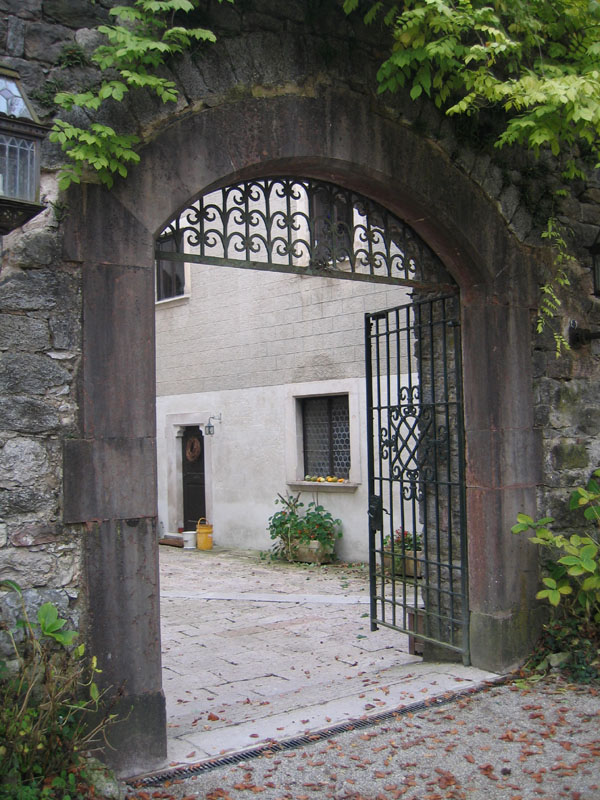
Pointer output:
x,y
300,225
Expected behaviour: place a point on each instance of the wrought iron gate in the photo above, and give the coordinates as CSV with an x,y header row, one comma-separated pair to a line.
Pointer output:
x,y
417,530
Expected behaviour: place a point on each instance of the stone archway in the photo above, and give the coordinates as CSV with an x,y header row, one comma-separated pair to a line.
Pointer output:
x,y
109,483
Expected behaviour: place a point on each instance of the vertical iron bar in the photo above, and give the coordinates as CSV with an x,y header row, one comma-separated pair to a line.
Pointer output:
x,y
387,481
225,219
412,400
464,556
448,476
370,467
435,459
269,221
401,417
420,487
246,218
200,223
380,470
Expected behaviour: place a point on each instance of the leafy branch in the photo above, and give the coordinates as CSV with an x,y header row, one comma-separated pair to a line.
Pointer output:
x,y
51,710
574,565
142,41
550,302
537,63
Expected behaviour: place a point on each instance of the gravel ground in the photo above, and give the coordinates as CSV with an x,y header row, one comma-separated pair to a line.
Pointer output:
x,y
506,742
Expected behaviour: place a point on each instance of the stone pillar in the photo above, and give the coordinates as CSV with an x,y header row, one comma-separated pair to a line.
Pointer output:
x,y
503,468
110,472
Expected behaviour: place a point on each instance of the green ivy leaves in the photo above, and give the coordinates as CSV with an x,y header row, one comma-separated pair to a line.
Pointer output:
x,y
554,591
51,625
134,51
98,147
574,564
46,721
536,61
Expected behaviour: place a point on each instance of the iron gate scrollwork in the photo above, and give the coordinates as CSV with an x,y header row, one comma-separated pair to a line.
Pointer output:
x,y
417,520
299,225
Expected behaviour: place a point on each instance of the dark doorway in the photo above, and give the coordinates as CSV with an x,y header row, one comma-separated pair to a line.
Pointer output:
x,y
192,454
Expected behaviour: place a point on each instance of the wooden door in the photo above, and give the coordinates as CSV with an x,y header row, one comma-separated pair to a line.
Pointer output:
x,y
194,499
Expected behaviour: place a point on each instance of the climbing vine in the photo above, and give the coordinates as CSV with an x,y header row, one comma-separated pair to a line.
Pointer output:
x,y
144,37
538,62
535,64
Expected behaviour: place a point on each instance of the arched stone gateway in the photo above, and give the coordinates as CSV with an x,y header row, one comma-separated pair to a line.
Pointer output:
x,y
109,473
415,487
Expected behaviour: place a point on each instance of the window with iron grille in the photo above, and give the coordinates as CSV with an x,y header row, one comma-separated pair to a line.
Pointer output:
x,y
170,275
326,435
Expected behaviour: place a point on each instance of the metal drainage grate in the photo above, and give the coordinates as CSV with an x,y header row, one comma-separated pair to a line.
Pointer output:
x,y
295,742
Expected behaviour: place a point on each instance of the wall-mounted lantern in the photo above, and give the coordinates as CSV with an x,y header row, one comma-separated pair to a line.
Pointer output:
x,y
209,428
20,135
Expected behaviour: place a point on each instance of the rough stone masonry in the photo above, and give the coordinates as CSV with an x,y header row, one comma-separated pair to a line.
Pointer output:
x,y
284,87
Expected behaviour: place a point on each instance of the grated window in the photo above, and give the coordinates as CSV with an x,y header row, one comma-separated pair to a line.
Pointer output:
x,y
326,436
170,275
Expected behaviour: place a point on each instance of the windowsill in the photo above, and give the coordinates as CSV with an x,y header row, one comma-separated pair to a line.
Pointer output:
x,y
323,486
179,300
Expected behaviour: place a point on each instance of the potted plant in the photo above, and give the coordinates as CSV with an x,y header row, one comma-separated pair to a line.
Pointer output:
x,y
301,534
404,554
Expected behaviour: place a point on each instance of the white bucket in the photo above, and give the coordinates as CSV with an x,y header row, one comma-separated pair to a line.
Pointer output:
x,y
189,540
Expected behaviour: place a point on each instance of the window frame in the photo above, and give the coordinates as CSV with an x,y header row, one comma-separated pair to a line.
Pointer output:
x,y
294,445
174,241
328,447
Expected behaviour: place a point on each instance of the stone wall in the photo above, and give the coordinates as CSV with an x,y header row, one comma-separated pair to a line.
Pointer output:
x,y
304,52
40,302
481,210
40,337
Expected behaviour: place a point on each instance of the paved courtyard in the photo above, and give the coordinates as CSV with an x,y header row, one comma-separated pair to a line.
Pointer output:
x,y
256,650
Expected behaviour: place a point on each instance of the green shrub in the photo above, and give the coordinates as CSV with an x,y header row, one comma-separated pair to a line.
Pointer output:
x,y
571,585
49,710
292,526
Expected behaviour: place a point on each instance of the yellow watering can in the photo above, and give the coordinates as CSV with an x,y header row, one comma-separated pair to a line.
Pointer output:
x,y
204,534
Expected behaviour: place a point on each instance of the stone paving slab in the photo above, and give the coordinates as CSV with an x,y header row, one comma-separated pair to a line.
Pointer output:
x,y
254,651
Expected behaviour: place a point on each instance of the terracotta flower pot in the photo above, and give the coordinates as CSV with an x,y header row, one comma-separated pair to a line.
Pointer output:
x,y
408,566
313,553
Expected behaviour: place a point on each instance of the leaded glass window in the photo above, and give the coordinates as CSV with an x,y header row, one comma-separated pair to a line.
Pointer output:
x,y
18,177
326,435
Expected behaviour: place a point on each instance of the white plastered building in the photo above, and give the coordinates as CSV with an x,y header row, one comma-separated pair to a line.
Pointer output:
x,y
246,348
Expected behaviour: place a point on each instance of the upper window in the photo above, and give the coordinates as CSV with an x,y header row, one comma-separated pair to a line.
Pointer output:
x,y
170,275
326,435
